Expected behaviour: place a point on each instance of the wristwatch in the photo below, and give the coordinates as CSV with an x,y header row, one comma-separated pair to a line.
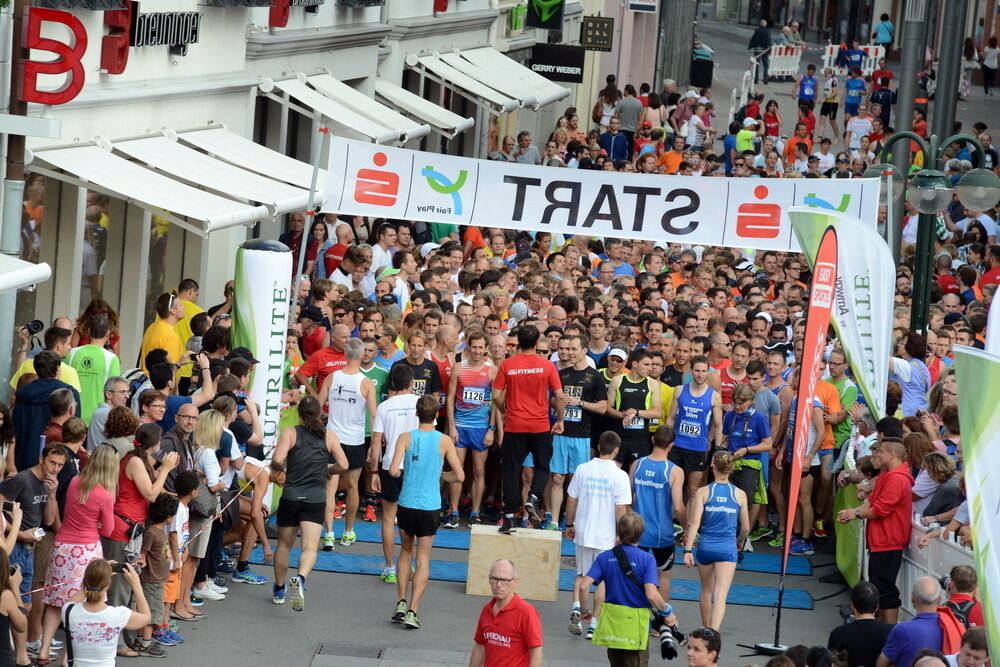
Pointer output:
x,y
857,513
570,525
493,427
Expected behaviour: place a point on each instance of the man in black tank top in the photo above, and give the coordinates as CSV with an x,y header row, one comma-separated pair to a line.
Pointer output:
x,y
634,398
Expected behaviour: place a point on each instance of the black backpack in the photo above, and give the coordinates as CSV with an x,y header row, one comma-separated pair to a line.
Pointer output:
x,y
961,610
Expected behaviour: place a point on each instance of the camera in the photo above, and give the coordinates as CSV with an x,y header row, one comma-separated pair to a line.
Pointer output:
x,y
13,569
118,567
670,639
8,506
34,327
945,581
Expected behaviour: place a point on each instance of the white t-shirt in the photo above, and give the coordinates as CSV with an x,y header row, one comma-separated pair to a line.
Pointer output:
x,y
95,635
182,526
598,485
380,258
826,161
233,454
924,487
910,229
395,415
857,126
338,277
206,462
987,222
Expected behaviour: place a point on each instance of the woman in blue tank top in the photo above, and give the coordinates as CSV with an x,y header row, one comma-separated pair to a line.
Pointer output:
x,y
720,520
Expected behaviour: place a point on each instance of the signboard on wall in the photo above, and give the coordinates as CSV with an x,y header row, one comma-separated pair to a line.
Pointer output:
x,y
643,5
545,14
597,33
558,62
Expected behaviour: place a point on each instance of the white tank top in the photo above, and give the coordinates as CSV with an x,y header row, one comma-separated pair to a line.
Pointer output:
x,y
347,408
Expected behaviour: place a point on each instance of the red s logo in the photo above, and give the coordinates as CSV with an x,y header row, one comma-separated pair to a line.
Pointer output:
x,y
115,45
280,9
68,60
758,221
377,187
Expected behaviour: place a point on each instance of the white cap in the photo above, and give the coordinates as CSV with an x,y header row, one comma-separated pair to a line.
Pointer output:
x,y
690,94
662,245
743,265
764,316
428,248
747,122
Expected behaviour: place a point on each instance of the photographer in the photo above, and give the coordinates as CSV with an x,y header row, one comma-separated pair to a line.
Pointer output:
x,y
92,627
961,584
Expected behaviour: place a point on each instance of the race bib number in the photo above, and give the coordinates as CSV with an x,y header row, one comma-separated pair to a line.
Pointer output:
x,y
420,387
474,395
573,413
689,429
637,424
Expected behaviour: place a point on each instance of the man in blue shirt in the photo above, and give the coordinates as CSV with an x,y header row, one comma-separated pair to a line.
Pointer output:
x,y
924,631
614,142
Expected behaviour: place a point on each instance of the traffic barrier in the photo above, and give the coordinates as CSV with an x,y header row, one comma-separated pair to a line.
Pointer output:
x,y
785,60
934,560
873,52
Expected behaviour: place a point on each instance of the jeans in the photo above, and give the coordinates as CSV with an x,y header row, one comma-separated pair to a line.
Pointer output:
x,y
765,61
989,76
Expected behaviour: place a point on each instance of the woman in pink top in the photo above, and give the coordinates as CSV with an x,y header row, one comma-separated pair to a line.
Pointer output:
x,y
88,514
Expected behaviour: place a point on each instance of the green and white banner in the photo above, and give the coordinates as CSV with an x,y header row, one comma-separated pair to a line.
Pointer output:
x,y
978,380
260,322
862,311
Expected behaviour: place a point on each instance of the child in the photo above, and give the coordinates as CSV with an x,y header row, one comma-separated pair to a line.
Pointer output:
x,y
186,488
155,562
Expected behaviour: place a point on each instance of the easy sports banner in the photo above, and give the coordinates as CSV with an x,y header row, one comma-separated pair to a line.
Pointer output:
x,y
260,322
978,381
822,291
866,280
380,181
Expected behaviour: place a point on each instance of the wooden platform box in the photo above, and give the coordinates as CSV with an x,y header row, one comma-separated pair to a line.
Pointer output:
x,y
536,553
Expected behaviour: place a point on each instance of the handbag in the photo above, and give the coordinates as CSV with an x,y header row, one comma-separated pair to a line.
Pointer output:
x,y
624,627
133,532
70,659
205,504
230,516
597,112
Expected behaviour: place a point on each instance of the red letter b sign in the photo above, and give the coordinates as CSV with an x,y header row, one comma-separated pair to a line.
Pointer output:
x,y
68,59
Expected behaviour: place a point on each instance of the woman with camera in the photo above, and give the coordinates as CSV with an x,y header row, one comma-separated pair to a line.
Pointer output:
x,y
11,616
92,626
88,516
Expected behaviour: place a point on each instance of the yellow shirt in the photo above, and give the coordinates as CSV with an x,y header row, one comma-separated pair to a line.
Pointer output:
x,y
67,374
183,329
161,335
666,400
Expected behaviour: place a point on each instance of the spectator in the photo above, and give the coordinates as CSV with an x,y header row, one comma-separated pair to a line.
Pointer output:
x,y
924,631
863,638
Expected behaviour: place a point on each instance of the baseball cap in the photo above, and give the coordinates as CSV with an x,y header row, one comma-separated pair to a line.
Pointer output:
x,y
951,318
244,353
646,123
690,94
387,271
743,265
662,245
428,248
764,316
618,353
747,122
311,312
813,158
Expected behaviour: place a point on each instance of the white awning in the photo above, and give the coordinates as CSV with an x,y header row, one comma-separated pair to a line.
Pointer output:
x,y
491,60
482,94
96,168
442,120
165,154
244,153
16,273
383,115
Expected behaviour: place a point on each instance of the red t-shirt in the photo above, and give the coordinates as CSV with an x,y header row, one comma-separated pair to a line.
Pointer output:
x,y
878,75
772,128
311,343
975,613
509,636
444,370
323,363
526,379
919,129
892,503
948,284
333,256
991,277
729,384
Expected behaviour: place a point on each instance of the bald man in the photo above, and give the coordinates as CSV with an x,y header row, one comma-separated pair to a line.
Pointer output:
x,y
923,632
513,637
325,361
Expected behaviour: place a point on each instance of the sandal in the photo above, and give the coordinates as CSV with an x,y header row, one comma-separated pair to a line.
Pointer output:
x,y
127,653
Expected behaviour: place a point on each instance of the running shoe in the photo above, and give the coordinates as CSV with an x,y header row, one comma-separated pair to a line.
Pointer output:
x,y
818,529
297,591
227,566
552,525
206,592
174,627
546,519
591,629
173,634
388,575
154,650
196,601
761,532
329,540
451,521
248,576
507,525
339,509
219,585
525,522
370,514
531,507
400,613
575,626
678,529
475,519
348,538
163,638
411,621
801,548
778,540
277,594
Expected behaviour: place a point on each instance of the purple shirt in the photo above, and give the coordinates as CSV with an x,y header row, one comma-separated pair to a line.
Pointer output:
x,y
924,631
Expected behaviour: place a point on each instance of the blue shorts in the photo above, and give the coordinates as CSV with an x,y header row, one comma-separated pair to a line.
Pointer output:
x,y
825,452
568,453
709,556
851,109
24,557
471,438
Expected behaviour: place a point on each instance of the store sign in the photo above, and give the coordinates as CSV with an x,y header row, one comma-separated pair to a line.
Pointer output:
x,y
545,14
597,33
68,56
643,5
282,9
557,62
174,29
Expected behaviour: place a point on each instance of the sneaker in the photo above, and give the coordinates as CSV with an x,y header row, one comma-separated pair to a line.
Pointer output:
x,y
747,546
818,530
552,525
154,650
206,592
216,586
778,540
339,509
451,521
547,519
347,539
475,519
400,613
297,590
525,522
248,576
507,525
174,627
370,514
575,626
388,575
761,532
678,529
196,601
411,621
163,638
277,594
591,629
175,636
531,507
329,541
226,567
801,548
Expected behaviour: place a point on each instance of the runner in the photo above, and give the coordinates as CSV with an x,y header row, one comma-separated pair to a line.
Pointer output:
x,y
634,398
379,377
719,519
747,436
304,453
424,452
697,420
426,377
777,366
735,374
801,544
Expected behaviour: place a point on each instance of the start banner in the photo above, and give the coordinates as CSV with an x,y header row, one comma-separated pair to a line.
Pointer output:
x,y
380,181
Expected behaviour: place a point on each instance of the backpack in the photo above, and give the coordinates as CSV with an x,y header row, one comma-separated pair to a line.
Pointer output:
x,y
422,233
135,378
597,112
961,610
951,630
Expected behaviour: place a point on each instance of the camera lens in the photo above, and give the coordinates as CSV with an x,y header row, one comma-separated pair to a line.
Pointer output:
x,y
34,326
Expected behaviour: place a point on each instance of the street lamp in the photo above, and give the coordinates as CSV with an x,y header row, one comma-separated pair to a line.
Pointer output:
x,y
930,191
889,194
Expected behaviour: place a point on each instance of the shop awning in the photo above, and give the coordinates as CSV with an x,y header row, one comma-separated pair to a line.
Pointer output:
x,y
383,115
469,86
166,154
95,167
16,273
440,119
490,60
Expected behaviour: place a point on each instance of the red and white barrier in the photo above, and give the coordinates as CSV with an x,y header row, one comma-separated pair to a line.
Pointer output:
x,y
872,54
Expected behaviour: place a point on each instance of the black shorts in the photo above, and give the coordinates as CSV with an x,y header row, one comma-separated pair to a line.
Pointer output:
x,y
829,110
883,568
688,459
809,104
746,479
634,447
419,523
357,456
294,512
664,556
391,486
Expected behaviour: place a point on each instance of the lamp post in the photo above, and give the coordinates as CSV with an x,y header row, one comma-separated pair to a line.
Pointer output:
x,y
892,188
930,191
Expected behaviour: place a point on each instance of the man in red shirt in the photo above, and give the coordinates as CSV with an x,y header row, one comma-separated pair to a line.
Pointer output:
x,y
888,510
992,260
509,631
962,584
521,393
325,361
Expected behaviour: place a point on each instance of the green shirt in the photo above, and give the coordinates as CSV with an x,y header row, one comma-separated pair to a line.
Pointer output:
x,y
744,139
379,377
440,230
848,396
94,365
